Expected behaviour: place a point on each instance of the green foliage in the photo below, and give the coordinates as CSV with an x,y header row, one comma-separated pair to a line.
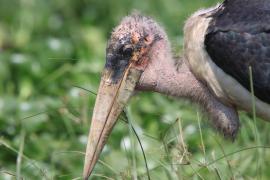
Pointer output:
x,y
49,49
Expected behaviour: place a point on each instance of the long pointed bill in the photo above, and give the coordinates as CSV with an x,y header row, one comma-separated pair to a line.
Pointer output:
x,y
110,101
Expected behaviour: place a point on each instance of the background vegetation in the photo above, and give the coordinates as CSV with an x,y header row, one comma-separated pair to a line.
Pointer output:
x,y
51,56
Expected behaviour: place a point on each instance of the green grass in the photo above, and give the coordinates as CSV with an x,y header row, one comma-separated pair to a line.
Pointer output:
x,y
51,56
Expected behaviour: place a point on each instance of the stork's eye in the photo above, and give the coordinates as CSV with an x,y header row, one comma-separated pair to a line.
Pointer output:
x,y
127,51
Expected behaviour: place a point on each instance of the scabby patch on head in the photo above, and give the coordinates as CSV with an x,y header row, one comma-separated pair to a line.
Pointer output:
x,y
130,41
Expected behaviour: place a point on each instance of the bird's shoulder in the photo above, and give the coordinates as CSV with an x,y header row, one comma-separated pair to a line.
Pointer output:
x,y
239,38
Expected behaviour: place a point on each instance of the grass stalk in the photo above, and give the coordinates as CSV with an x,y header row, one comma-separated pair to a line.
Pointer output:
x,y
20,156
256,135
133,145
201,137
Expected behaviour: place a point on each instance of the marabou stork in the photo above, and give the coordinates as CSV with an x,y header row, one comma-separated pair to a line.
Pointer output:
x,y
223,46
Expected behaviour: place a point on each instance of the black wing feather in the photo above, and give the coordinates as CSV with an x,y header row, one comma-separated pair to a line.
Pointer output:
x,y
238,38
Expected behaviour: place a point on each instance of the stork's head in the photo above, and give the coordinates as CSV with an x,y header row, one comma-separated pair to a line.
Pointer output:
x,y
127,56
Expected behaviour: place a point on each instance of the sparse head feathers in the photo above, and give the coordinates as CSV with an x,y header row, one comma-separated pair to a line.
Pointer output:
x,y
137,25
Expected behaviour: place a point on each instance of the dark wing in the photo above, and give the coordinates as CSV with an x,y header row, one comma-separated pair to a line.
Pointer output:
x,y
238,38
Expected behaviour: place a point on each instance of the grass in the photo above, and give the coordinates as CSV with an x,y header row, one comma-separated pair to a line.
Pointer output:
x,y
51,57
202,166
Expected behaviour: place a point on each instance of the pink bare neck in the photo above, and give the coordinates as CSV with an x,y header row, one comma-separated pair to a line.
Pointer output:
x,y
166,76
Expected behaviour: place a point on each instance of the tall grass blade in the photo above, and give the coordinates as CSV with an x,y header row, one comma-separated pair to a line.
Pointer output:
x,y
227,160
201,137
133,146
125,119
20,156
256,134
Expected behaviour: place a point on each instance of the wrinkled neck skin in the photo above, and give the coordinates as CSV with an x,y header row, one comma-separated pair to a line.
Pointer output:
x,y
167,76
